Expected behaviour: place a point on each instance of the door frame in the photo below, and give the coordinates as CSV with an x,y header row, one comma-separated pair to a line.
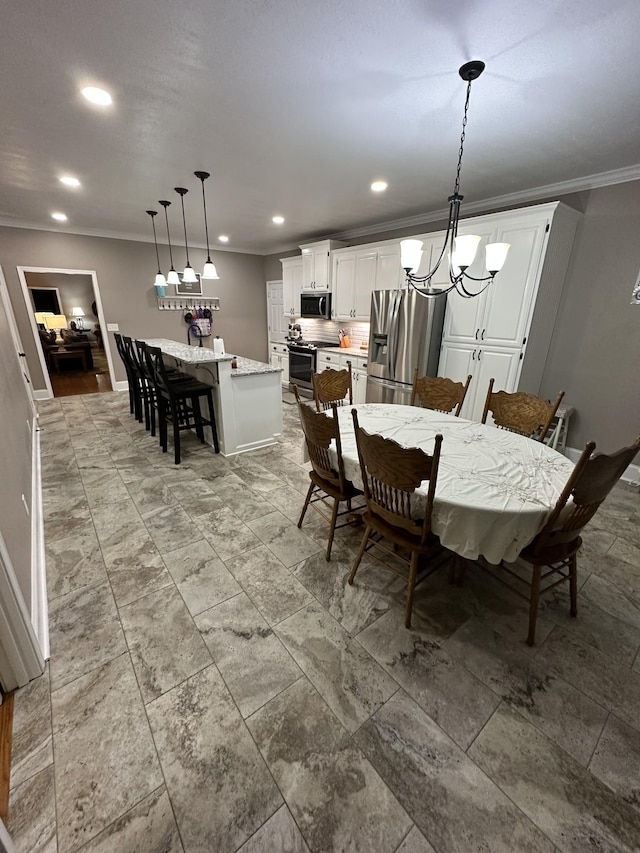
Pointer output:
x,y
17,341
39,395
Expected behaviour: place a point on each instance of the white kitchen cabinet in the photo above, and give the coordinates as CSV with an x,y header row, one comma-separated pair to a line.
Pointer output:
x,y
389,274
505,332
457,361
279,357
316,264
354,280
291,285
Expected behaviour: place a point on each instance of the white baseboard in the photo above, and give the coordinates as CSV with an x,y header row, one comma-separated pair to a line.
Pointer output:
x,y
42,394
121,385
631,475
39,602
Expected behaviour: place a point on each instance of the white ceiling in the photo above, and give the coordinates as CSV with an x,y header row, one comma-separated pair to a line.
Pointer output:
x,y
295,106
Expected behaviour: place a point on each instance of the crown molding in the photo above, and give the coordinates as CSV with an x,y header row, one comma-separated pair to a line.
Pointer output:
x,y
588,182
116,235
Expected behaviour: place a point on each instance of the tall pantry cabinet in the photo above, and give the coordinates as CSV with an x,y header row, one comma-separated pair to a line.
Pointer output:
x,y
505,333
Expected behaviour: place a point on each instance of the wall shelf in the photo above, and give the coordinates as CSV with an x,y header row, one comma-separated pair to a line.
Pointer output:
x,y
188,303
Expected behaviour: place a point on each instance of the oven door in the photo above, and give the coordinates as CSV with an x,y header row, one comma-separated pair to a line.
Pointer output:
x,y
301,363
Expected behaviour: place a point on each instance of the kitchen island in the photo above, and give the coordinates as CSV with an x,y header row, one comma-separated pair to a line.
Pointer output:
x,y
247,397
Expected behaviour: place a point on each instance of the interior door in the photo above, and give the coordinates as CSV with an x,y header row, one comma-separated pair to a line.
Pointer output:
x,y
16,341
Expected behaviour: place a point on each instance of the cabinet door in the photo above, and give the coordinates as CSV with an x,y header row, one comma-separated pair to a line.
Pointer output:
x,y
321,273
365,284
344,286
431,249
510,297
291,286
359,383
464,317
284,364
457,361
308,269
389,274
500,364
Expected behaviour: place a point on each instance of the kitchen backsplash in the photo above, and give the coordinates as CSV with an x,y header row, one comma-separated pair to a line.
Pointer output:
x,y
327,330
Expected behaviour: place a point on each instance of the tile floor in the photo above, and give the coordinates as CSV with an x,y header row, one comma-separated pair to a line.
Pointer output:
x,y
214,685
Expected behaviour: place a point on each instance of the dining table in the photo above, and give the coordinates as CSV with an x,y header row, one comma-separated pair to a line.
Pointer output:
x,y
495,488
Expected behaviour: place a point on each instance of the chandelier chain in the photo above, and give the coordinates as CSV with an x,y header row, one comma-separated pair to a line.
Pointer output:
x,y
456,188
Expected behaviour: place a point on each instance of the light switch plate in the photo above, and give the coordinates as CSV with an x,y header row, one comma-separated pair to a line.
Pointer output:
x,y
113,327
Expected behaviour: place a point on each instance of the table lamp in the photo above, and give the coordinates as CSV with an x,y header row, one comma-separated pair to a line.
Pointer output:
x,y
56,322
78,314
40,316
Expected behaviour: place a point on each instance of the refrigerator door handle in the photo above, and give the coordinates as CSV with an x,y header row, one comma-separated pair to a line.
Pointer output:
x,y
392,339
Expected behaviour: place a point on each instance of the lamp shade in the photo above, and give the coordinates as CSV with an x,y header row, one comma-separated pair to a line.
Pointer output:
x,y
464,250
160,280
173,277
209,270
77,312
189,274
496,255
40,316
410,254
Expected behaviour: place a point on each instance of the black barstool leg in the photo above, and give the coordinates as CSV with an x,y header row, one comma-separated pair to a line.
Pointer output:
x,y
197,417
176,434
212,420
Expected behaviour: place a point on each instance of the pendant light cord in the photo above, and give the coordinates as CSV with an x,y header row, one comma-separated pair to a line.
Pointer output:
x,y
184,223
152,214
206,226
166,216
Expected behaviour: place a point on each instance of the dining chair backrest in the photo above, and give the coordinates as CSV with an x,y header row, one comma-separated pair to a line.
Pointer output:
x,y
589,484
319,431
519,412
391,474
332,386
157,369
439,393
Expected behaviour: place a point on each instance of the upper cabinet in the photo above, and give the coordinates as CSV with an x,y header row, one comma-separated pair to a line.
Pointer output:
x,y
316,264
291,285
357,272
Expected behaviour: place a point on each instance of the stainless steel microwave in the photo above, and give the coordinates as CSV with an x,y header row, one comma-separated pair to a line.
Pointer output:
x,y
315,305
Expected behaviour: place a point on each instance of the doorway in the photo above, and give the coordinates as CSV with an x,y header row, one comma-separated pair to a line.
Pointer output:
x,y
67,321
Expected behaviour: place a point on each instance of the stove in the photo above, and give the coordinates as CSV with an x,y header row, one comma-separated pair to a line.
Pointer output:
x,y
303,362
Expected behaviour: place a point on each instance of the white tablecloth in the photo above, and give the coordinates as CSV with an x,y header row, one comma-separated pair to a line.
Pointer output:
x,y
495,488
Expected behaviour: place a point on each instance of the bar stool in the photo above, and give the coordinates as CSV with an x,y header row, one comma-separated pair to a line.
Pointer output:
x,y
135,396
173,400
138,353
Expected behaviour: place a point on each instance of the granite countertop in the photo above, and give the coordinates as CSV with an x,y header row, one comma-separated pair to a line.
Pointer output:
x,y
190,355
363,353
204,355
249,367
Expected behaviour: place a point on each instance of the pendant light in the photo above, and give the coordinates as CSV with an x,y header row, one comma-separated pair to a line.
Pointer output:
x,y
160,279
172,277
461,249
209,270
188,274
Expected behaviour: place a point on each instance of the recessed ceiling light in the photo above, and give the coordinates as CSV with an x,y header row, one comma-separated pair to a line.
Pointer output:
x,y
68,181
59,217
223,238
379,186
97,96
277,220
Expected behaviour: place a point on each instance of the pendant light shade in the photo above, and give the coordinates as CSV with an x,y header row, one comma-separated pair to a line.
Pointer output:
x,y
209,270
188,274
172,275
160,281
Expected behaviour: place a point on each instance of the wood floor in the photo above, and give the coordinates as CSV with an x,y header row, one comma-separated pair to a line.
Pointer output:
x,y
71,381
6,726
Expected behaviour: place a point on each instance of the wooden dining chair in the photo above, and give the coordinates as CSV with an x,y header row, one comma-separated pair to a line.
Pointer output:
x,y
332,386
328,480
439,393
390,475
556,546
519,412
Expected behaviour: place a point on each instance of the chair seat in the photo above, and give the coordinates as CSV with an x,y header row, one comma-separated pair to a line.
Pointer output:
x,y
552,553
398,535
334,490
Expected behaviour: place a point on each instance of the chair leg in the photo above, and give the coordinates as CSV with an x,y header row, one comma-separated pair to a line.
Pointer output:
x,y
363,545
533,605
176,434
307,500
573,584
197,417
332,529
413,574
212,418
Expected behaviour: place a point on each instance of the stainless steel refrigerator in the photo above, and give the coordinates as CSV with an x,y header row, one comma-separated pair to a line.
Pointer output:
x,y
405,333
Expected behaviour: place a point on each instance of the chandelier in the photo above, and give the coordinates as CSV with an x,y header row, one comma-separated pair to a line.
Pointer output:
x,y
460,251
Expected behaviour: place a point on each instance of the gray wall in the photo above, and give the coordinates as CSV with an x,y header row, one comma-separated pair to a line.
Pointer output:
x,y
125,272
